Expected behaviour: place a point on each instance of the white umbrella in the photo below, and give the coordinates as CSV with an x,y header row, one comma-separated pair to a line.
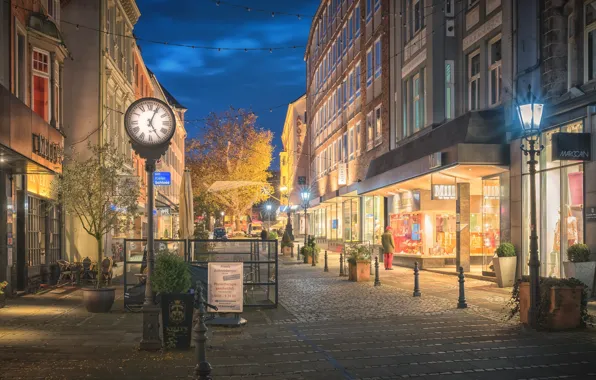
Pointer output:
x,y
187,219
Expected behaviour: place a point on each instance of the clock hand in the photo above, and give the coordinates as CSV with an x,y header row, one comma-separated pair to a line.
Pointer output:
x,y
154,113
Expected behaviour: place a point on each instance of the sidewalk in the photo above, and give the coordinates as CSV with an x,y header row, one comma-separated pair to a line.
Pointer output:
x,y
325,328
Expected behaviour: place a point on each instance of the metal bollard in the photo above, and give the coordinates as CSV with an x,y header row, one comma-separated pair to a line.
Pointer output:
x,y
298,253
203,368
461,302
341,264
326,267
416,281
292,252
377,280
314,258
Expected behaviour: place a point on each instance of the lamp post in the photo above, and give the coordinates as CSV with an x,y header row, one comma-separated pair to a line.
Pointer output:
x,y
530,116
269,215
222,219
305,196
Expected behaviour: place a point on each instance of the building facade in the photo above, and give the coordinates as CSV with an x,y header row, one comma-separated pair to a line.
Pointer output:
x,y
347,64
31,141
294,162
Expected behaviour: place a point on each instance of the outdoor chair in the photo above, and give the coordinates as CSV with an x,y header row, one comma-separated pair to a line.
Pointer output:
x,y
66,272
106,270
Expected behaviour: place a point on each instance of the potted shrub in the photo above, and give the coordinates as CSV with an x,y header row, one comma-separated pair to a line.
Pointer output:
x,y
563,302
358,262
579,265
286,244
95,192
307,253
272,235
3,286
171,281
505,262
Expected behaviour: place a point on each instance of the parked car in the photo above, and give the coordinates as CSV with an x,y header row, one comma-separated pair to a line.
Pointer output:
x,y
220,234
256,231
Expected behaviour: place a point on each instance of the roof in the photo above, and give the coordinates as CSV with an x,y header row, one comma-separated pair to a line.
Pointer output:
x,y
171,99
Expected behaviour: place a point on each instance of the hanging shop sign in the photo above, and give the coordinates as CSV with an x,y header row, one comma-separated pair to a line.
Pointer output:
x,y
162,178
444,192
436,160
342,174
572,146
225,286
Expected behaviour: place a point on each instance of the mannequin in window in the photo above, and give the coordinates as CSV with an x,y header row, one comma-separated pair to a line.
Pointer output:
x,y
572,234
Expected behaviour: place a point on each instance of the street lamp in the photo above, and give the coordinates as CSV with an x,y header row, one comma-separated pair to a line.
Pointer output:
x,y
269,214
222,218
530,116
305,196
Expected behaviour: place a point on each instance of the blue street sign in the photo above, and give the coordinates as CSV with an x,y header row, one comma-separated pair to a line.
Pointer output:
x,y
162,179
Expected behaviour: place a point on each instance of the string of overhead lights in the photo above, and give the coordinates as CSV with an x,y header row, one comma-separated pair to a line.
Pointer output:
x,y
78,26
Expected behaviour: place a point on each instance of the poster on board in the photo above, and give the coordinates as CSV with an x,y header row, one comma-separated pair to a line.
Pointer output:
x,y
226,287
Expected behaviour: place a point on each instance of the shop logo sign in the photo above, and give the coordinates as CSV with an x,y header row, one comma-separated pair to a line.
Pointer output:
x,y
444,192
572,146
342,174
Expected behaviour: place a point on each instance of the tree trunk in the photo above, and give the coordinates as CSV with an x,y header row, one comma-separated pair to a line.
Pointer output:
x,y
237,222
99,258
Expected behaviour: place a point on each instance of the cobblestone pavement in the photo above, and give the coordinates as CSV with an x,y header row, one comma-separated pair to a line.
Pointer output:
x,y
325,328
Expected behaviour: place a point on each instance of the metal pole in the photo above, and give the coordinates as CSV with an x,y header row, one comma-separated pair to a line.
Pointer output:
x,y
377,280
461,302
298,253
305,227
314,257
150,340
326,267
416,281
341,264
292,251
534,262
203,368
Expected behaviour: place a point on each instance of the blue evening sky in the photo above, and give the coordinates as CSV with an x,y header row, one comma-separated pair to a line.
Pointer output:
x,y
205,80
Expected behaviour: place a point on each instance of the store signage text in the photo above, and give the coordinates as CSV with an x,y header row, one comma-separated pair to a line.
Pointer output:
x,y
572,146
342,174
162,178
590,214
44,148
444,192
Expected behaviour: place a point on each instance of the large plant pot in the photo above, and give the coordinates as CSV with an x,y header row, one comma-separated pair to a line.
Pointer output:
x,y
176,315
564,309
286,251
2,300
98,300
505,270
581,271
359,271
307,259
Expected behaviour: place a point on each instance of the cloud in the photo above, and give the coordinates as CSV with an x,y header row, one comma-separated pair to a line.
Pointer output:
x,y
174,59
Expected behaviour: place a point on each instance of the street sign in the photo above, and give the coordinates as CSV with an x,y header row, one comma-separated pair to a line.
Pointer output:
x,y
162,178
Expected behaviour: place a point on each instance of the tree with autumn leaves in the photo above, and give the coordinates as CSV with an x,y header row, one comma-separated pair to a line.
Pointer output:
x,y
231,149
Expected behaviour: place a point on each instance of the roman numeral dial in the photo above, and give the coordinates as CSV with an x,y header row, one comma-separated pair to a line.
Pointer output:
x,y
150,122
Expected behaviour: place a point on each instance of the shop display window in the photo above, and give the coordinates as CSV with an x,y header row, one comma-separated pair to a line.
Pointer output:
x,y
445,237
374,218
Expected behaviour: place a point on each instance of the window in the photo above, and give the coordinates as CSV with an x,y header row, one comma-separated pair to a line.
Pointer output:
x,y
369,131
449,91
378,58
368,10
377,5
474,81
345,147
351,141
351,80
339,150
357,80
369,67
472,3
345,39
357,139
494,72
41,83
417,102
345,91
590,42
20,67
351,30
449,8
54,9
405,129
378,125
417,16
356,22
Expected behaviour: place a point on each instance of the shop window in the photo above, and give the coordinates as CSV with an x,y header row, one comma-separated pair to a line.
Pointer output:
x,y
36,231
590,41
373,219
474,81
494,72
41,83
449,90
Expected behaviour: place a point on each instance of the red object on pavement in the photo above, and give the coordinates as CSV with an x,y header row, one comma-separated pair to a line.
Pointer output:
x,y
388,260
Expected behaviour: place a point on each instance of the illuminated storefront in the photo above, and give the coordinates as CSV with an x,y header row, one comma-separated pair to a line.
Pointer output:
x,y
560,205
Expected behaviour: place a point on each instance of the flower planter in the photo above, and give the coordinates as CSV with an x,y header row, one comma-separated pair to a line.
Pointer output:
x,y
176,314
308,260
564,309
582,271
505,270
286,251
359,271
99,300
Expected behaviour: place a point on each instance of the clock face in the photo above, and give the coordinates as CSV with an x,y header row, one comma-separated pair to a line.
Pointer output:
x,y
150,122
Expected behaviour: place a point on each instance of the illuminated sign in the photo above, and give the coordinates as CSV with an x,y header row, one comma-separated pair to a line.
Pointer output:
x,y
444,192
572,147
